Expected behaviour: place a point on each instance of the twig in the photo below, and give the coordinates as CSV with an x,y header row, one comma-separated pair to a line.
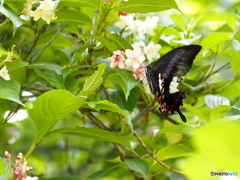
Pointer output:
x,y
143,112
43,28
48,43
36,87
99,124
9,115
144,145
148,149
211,72
106,94
225,66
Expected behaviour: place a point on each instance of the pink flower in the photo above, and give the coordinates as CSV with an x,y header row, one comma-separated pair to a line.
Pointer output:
x,y
107,0
134,58
140,73
117,59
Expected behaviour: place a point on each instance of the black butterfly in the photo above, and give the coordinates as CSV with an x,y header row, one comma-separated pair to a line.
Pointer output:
x,y
165,75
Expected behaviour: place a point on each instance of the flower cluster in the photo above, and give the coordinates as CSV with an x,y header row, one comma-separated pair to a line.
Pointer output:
x,y
4,71
19,168
45,10
140,28
135,59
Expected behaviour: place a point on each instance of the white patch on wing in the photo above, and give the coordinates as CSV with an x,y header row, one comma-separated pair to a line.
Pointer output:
x,y
160,81
174,84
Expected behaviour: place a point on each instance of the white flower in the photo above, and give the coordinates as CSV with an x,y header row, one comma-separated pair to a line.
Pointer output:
x,y
126,22
151,51
4,73
140,27
45,10
134,58
146,26
150,24
139,44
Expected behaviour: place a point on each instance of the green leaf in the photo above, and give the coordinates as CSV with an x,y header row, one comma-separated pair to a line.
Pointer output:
x,y
129,81
136,6
52,78
138,165
218,112
106,105
68,70
71,84
178,21
182,129
234,61
214,39
229,18
2,167
8,12
51,107
16,64
73,16
106,42
18,75
102,172
94,133
121,42
48,66
10,90
80,3
94,81
173,151
118,98
213,101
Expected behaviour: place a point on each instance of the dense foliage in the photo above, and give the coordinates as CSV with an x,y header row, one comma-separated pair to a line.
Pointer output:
x,y
88,118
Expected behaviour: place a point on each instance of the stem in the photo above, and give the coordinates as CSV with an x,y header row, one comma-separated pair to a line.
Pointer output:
x,y
119,148
148,149
30,150
48,43
225,66
36,87
43,28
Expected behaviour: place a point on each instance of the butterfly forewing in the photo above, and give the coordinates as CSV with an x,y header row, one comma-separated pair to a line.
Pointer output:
x,y
177,62
165,75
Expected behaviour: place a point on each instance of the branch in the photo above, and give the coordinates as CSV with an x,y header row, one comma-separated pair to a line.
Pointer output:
x,y
9,115
43,28
225,66
146,110
48,43
148,149
99,124
215,60
36,87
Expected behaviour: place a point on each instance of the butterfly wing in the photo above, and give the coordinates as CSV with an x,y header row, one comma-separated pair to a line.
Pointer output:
x,y
165,76
177,62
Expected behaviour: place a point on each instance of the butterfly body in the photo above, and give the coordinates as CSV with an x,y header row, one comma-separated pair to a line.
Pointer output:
x,y
165,75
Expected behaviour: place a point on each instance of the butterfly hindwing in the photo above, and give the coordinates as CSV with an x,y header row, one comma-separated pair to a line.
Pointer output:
x,y
165,75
